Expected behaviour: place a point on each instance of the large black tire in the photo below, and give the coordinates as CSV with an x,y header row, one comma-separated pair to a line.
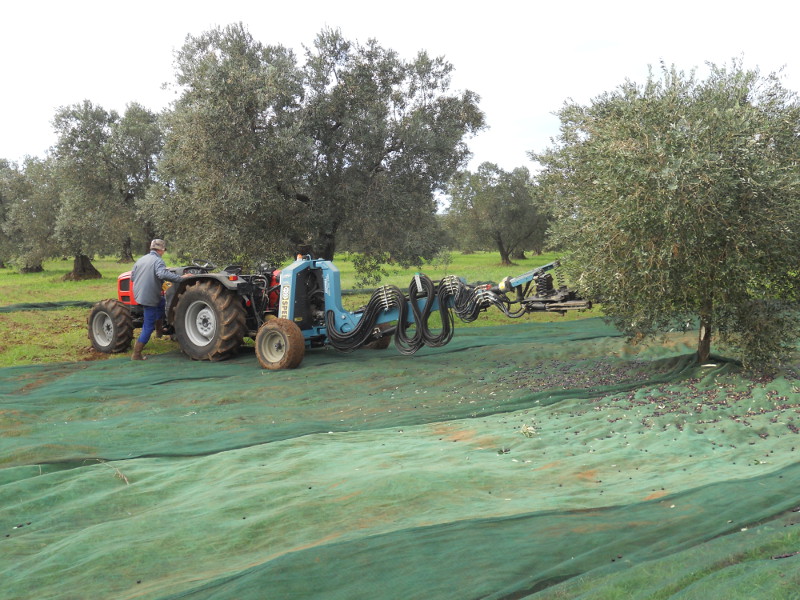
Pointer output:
x,y
280,345
110,327
210,322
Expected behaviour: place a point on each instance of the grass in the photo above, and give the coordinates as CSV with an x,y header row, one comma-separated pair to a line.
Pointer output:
x,y
49,285
474,267
42,336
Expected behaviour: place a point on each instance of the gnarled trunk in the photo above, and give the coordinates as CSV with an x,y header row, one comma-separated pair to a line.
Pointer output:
x,y
82,268
325,245
505,255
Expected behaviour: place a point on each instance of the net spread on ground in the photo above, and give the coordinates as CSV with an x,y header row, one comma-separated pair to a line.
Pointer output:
x,y
524,461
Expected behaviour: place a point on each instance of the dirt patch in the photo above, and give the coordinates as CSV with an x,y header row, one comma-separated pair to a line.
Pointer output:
x,y
656,495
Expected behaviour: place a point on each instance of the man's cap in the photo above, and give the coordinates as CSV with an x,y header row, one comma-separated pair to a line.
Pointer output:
x,y
158,245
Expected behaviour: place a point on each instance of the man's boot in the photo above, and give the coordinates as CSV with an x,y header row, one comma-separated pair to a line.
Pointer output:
x,y
159,328
137,351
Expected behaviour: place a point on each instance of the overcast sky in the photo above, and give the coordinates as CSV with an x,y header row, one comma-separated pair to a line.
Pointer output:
x,y
524,58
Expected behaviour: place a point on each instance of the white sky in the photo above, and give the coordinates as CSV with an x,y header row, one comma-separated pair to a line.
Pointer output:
x,y
523,57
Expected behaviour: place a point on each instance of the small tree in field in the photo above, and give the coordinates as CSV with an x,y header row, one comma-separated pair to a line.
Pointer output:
x,y
496,208
104,165
678,200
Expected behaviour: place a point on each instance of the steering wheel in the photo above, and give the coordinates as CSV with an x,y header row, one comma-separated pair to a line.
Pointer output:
x,y
204,264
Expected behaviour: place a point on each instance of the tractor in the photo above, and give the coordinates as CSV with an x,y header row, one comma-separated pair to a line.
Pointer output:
x,y
300,307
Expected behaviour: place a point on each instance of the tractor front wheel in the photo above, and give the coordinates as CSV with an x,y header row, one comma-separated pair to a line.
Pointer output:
x,y
110,326
280,345
210,321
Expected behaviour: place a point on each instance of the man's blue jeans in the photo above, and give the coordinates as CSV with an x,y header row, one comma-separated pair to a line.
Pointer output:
x,y
151,315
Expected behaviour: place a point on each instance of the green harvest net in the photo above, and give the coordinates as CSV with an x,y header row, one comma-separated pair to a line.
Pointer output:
x,y
45,306
523,461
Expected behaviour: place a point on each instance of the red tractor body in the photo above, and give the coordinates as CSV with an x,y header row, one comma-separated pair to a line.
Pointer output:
x,y
125,289
216,310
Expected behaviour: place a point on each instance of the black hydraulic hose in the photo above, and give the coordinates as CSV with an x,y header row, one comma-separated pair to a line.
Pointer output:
x,y
466,304
469,302
447,321
423,336
404,343
388,297
382,299
454,296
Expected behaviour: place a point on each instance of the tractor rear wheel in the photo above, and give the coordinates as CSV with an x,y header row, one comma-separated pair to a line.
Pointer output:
x,y
280,345
210,322
110,326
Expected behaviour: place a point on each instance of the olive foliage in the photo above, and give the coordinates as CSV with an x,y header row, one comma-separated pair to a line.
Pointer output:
x,y
230,149
30,219
266,156
81,199
384,135
12,187
678,201
104,164
498,209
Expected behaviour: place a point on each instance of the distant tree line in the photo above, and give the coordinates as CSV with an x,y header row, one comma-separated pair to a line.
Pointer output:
x,y
262,156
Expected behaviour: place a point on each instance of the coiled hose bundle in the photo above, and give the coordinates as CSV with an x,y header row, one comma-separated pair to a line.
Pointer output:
x,y
453,296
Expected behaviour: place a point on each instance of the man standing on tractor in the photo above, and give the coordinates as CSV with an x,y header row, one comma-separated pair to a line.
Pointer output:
x,y
147,276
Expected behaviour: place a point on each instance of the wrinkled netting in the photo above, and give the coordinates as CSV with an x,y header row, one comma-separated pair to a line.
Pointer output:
x,y
45,305
524,461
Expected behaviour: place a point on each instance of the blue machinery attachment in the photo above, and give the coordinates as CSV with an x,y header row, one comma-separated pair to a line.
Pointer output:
x,y
311,298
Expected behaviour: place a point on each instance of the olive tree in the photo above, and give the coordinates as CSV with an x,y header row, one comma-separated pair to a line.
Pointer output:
x,y
104,164
136,144
678,200
230,149
498,209
384,135
265,156
32,206
12,187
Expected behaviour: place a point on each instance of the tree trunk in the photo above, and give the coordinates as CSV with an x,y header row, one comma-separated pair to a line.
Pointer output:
x,y
126,255
326,246
31,268
505,258
704,339
518,255
82,268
